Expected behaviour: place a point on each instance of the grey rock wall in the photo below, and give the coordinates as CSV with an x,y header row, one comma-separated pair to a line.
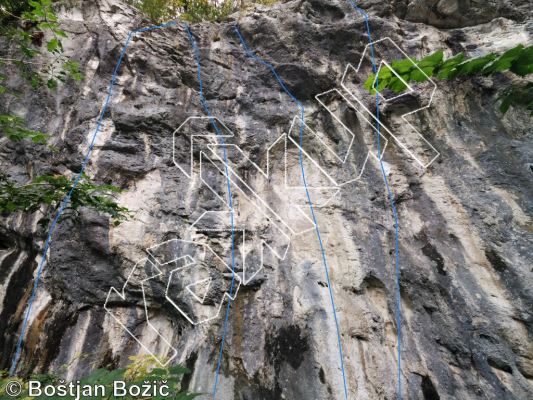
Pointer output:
x,y
460,13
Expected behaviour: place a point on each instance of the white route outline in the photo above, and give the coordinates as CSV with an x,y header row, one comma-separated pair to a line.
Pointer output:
x,y
398,141
209,155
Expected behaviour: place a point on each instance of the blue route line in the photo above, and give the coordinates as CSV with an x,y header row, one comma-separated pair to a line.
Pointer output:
x,y
393,207
217,130
251,54
67,198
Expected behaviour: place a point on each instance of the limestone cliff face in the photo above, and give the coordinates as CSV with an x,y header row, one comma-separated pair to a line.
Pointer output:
x,y
464,221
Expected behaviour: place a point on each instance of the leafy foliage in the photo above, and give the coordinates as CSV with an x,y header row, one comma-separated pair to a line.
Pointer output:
x,y
30,20
50,190
189,10
10,9
158,10
266,2
518,60
142,369
518,96
15,129
204,10
27,24
38,21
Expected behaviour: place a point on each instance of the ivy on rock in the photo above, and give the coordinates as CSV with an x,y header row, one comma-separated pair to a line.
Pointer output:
x,y
518,60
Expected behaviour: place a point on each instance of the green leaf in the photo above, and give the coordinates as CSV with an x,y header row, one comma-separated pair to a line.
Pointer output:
x,y
158,372
50,16
47,25
73,69
523,64
179,369
385,72
432,60
402,66
453,61
517,96
35,80
39,138
33,15
28,51
474,65
51,83
397,86
422,74
505,105
382,83
447,73
60,32
14,128
368,85
448,68
504,61
54,46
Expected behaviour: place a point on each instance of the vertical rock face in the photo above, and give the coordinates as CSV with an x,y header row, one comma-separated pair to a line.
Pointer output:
x,y
460,13
464,222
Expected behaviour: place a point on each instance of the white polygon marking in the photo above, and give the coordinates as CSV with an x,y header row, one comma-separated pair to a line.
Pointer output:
x,y
189,298
349,68
374,84
205,289
122,296
191,318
